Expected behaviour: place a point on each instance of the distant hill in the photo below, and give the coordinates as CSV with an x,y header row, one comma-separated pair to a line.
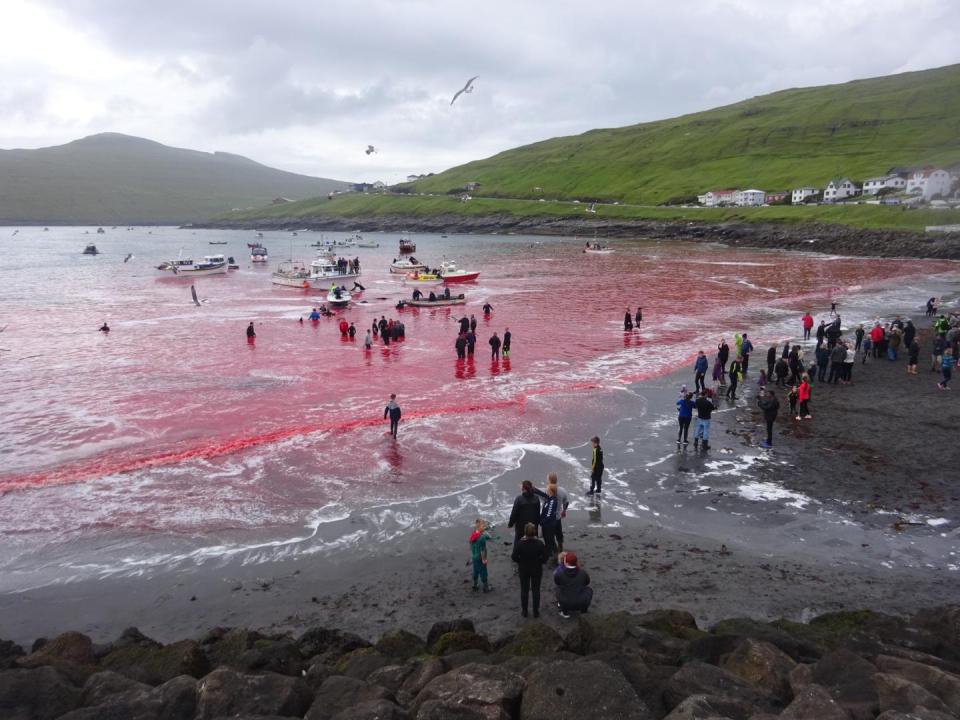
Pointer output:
x,y
119,179
773,142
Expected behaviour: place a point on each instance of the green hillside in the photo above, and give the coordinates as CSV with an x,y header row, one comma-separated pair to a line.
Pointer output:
x,y
117,179
773,142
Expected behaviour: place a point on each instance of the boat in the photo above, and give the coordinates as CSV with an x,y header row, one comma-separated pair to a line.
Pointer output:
x,y
333,243
451,274
218,242
292,273
368,244
324,272
406,265
595,248
259,235
439,302
91,249
422,279
100,231
407,246
338,302
258,254
210,265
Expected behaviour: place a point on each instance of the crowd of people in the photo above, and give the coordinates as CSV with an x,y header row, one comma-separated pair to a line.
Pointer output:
x,y
466,342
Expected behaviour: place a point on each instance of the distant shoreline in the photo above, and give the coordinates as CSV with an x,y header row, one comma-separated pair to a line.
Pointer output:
x,y
802,236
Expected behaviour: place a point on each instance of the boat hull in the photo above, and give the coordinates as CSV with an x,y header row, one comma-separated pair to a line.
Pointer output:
x,y
460,277
200,272
443,302
406,269
323,282
297,281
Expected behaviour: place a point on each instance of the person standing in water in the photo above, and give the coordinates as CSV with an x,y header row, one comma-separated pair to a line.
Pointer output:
x,y
639,317
393,410
368,341
507,337
487,307
106,328
494,347
627,321
473,324
251,333
596,466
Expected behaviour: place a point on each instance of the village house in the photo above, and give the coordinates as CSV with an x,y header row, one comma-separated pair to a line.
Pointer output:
x,y
839,188
750,198
775,197
799,195
892,180
716,198
471,186
930,183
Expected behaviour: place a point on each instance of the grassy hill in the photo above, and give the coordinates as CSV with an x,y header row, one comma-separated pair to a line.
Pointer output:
x,y
118,179
773,142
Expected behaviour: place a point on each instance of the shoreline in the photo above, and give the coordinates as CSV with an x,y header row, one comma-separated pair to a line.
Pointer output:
x,y
801,236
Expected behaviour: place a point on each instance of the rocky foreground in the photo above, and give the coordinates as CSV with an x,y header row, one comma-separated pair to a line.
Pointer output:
x,y
840,666
805,236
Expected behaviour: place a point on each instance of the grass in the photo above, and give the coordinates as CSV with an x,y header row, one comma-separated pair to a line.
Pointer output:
x,y
779,141
414,206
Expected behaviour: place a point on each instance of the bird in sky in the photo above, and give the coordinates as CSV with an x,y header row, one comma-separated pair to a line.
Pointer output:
x,y
468,88
370,149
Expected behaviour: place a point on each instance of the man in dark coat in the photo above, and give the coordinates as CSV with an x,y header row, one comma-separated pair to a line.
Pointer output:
x,y
526,509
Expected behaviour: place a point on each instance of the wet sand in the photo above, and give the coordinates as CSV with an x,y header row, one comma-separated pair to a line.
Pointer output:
x,y
853,520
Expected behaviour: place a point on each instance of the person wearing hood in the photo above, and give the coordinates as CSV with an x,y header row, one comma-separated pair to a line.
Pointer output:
x,y
771,406
574,593
393,410
526,509
530,554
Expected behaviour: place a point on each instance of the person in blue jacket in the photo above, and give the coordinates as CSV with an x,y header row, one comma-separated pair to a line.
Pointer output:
x,y
685,407
700,372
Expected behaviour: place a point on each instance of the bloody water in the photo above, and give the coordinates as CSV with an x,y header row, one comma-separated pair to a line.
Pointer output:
x,y
174,425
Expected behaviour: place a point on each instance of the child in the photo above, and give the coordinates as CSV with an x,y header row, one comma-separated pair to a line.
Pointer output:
x,y
596,466
792,397
478,553
762,380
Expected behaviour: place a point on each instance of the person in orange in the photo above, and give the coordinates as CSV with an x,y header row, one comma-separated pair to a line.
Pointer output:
x,y
803,395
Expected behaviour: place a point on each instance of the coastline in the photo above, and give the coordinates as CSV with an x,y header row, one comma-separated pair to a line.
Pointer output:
x,y
801,236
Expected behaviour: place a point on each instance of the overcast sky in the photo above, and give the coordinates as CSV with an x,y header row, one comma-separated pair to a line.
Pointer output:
x,y
305,86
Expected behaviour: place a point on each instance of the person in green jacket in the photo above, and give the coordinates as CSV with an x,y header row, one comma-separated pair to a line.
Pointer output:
x,y
478,554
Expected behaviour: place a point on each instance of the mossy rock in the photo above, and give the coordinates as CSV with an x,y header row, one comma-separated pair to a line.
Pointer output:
x,y
400,644
676,623
71,653
156,665
533,640
458,640
360,663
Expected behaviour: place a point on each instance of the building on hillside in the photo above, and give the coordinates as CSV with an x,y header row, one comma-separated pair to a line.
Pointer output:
x,y
378,185
750,198
413,178
872,186
280,201
930,183
716,198
776,196
471,186
799,195
839,189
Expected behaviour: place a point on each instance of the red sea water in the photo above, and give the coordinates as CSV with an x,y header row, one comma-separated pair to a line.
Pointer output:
x,y
173,425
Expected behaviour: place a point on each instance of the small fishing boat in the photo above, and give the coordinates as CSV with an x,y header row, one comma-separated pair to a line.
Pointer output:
x,y
439,302
595,248
218,242
259,235
232,264
100,231
451,274
292,273
368,244
210,265
404,266
422,279
258,254
91,249
407,246
338,299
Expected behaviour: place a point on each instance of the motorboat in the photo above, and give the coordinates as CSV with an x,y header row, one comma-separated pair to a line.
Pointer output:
x,y
218,242
403,266
324,271
595,248
329,244
452,274
368,244
439,302
258,254
210,265
407,246
338,298
101,231
292,273
91,249
422,279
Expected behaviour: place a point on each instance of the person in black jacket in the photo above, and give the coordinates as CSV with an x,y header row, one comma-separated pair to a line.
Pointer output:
x,y
530,554
596,466
393,410
574,593
526,509
771,406
771,361
494,347
723,354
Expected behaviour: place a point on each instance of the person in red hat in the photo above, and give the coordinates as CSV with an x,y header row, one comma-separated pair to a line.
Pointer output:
x,y
574,593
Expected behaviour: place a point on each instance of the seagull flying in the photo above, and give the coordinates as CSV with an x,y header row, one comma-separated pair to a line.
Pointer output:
x,y
468,88
370,149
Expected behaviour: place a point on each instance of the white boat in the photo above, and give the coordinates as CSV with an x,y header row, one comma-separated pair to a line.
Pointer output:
x,y
452,274
292,273
324,272
258,254
340,302
210,265
368,244
599,251
404,266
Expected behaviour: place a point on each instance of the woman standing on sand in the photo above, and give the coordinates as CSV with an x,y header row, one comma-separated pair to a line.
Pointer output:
x,y
530,554
803,395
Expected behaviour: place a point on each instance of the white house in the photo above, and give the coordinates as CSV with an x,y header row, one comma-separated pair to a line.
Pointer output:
x,y
801,194
715,198
872,186
378,185
930,182
838,189
749,198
